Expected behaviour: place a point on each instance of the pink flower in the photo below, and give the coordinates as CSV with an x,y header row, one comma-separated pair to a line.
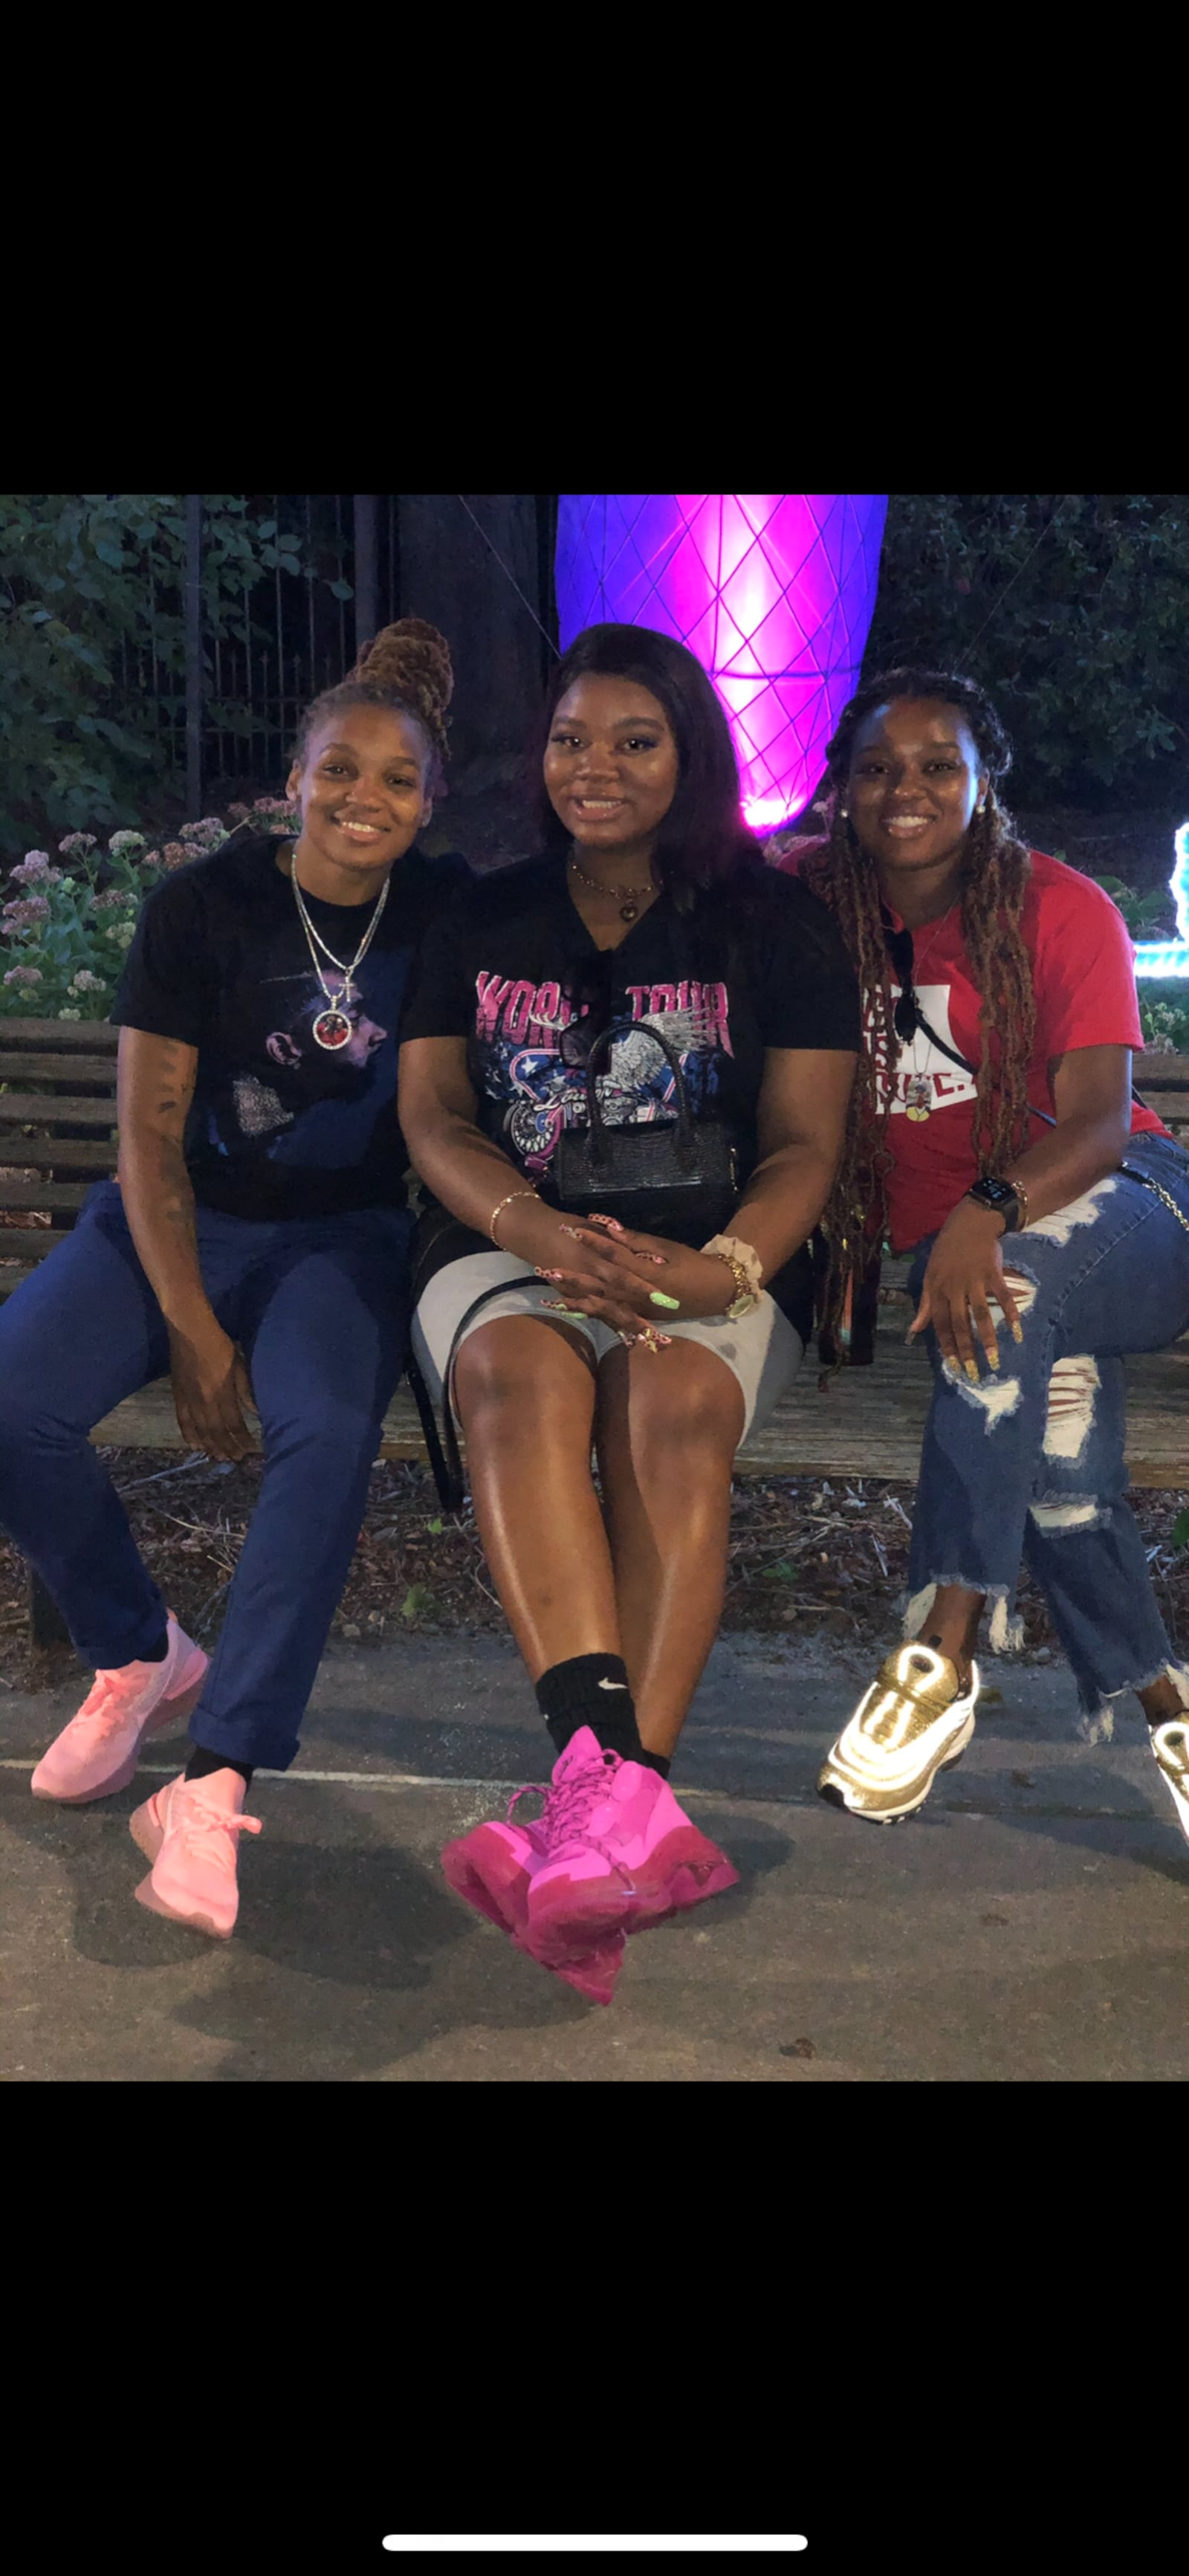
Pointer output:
x,y
23,975
27,913
76,845
175,855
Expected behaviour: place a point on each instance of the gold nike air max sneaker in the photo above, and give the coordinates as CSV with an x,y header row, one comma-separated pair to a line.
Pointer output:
x,y
913,1722
1170,1744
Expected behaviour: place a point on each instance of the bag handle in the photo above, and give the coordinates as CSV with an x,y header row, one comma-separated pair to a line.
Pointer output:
x,y
444,1455
599,1131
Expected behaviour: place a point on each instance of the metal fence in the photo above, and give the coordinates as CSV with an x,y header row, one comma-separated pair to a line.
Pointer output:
x,y
230,715
226,721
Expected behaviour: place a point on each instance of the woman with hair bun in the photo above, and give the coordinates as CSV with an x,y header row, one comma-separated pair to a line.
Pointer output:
x,y
255,1245
994,1100
652,1297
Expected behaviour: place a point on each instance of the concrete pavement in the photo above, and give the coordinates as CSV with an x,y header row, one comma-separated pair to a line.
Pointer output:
x,y
1033,1924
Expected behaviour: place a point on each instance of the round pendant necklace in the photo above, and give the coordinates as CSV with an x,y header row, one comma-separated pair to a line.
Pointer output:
x,y
332,1027
628,911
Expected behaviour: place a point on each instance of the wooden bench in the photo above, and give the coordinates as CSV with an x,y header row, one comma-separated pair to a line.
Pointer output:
x,y
58,1136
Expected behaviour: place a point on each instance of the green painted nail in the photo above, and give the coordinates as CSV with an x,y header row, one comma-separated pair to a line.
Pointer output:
x,y
657,1297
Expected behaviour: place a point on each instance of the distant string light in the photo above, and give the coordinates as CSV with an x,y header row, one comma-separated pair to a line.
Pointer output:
x,y
1169,958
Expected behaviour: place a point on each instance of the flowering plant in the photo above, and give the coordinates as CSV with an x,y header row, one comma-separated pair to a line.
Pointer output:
x,y
66,935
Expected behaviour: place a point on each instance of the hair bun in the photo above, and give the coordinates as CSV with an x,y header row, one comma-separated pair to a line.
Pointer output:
x,y
411,660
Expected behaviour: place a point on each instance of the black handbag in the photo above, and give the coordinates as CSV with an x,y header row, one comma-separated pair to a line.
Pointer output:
x,y
681,1172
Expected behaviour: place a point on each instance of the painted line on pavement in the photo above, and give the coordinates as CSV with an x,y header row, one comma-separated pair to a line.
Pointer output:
x,y
384,1780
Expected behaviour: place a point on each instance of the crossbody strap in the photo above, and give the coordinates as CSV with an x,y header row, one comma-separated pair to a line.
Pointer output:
x,y
444,1454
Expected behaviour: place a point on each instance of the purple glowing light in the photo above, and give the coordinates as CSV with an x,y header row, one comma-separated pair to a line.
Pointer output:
x,y
773,592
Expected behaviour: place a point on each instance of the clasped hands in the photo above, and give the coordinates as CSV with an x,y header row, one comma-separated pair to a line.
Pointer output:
x,y
637,1283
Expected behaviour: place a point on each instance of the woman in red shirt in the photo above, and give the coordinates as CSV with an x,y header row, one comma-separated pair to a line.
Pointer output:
x,y
994,1098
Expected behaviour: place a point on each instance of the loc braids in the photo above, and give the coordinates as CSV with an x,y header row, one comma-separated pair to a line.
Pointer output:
x,y
995,877
994,881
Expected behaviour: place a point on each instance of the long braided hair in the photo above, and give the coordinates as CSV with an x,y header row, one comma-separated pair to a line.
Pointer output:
x,y
994,879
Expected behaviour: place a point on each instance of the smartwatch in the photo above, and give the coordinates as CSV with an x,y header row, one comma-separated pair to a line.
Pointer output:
x,y
1004,1199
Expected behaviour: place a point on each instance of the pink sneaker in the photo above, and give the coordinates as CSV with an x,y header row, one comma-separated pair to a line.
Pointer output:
x,y
189,1831
620,1853
492,1867
99,1749
592,1970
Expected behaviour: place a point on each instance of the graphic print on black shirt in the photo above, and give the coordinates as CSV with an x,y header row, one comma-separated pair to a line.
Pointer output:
x,y
280,1127
519,1035
742,971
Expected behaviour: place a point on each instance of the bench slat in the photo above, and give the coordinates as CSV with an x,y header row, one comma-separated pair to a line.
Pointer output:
x,y
21,1243
71,1034
868,1424
31,1067
1171,1106
52,1154
42,1194
20,1108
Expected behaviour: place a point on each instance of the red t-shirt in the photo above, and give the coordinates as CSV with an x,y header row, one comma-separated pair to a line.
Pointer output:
x,y
1083,976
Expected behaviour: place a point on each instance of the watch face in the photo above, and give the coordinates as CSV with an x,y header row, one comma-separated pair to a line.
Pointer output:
x,y
994,1194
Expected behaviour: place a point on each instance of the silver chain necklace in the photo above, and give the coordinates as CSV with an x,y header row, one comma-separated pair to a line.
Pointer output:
x,y
332,1027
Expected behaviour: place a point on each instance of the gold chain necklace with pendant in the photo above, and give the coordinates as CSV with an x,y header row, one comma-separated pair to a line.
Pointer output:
x,y
628,911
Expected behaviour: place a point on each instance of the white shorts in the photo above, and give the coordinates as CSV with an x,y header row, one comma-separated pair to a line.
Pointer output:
x,y
762,1350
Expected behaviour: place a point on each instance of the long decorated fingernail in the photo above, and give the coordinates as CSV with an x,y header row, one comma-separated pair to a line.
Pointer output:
x,y
971,1370
1018,1332
611,1222
558,1306
657,1297
551,1274
575,1231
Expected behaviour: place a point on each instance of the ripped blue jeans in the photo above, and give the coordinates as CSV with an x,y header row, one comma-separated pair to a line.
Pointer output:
x,y
1028,1464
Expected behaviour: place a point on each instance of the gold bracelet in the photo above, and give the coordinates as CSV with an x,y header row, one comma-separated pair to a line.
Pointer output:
x,y
498,1211
746,1297
746,1269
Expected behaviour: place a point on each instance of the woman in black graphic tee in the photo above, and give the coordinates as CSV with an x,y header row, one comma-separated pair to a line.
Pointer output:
x,y
651,912
255,1246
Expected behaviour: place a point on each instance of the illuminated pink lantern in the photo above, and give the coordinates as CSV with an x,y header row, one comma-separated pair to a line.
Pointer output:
x,y
773,592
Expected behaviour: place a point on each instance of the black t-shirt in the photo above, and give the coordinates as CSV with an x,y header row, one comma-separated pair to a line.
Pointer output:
x,y
280,1127
754,964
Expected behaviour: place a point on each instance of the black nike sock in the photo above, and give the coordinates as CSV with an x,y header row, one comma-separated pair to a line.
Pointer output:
x,y
662,1762
202,1763
591,1690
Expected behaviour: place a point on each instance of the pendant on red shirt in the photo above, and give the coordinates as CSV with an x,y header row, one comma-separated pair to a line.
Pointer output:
x,y
917,1096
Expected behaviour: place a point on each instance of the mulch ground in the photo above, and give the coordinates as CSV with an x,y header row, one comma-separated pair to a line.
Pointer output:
x,y
807,1558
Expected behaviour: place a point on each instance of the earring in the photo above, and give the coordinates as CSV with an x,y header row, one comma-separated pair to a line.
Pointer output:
x,y
845,810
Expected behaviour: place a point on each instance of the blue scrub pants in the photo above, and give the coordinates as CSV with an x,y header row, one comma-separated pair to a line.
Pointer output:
x,y
319,1307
